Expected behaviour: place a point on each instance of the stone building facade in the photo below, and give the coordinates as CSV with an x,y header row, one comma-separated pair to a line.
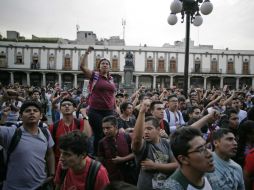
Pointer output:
x,y
40,61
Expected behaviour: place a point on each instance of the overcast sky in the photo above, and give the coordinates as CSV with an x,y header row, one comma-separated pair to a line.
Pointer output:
x,y
230,25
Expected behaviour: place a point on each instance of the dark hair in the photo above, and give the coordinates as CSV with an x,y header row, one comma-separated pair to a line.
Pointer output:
x,y
36,90
28,103
103,59
112,119
75,141
218,134
172,96
180,139
68,100
124,106
191,109
155,122
181,98
153,103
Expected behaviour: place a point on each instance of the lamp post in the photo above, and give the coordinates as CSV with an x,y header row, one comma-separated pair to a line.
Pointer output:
x,y
190,8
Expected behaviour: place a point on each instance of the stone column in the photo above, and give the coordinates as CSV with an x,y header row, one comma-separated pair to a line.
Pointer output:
x,y
137,81
12,78
221,82
205,82
154,82
188,82
253,82
122,79
44,79
60,80
237,83
75,80
171,81
28,79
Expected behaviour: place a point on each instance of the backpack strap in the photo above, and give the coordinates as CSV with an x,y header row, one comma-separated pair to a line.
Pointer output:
x,y
63,173
44,130
55,126
128,140
14,142
168,115
94,81
92,174
77,123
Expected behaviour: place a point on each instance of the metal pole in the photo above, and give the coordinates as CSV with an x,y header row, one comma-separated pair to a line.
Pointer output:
x,y
186,64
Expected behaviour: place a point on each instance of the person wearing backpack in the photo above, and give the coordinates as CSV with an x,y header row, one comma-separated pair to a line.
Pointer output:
x,y
101,98
68,123
75,169
172,115
29,151
114,151
152,153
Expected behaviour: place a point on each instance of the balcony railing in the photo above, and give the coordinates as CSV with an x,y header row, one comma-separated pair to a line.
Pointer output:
x,y
206,70
35,65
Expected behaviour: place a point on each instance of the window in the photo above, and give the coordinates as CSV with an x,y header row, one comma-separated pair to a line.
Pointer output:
x,y
19,58
149,65
172,66
230,67
67,63
51,62
197,66
3,61
161,65
115,64
245,68
35,62
214,66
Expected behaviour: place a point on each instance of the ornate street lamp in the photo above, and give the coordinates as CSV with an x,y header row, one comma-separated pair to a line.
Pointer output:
x,y
190,8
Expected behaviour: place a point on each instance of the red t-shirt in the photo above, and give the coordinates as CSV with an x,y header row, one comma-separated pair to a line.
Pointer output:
x,y
77,181
62,130
249,164
103,94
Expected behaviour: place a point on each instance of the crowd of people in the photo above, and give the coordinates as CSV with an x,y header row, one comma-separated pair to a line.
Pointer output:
x,y
152,139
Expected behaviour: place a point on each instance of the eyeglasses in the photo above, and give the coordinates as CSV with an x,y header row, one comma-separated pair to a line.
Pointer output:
x,y
201,149
67,104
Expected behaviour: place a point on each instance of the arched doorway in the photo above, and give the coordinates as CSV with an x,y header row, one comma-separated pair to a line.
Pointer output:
x,y
51,79
67,81
20,77
36,79
5,77
231,82
197,82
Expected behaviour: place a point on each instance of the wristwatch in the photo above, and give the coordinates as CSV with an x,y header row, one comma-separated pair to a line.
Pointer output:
x,y
85,117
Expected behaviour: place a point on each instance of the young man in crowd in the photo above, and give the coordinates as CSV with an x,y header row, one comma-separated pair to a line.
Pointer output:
x,y
189,148
228,174
157,111
152,152
172,115
32,153
114,151
68,123
75,167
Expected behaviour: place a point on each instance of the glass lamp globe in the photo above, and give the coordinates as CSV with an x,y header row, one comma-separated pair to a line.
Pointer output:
x,y
206,8
198,20
172,19
176,6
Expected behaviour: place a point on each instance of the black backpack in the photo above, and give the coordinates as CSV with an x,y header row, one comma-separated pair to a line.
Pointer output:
x,y
13,144
91,176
